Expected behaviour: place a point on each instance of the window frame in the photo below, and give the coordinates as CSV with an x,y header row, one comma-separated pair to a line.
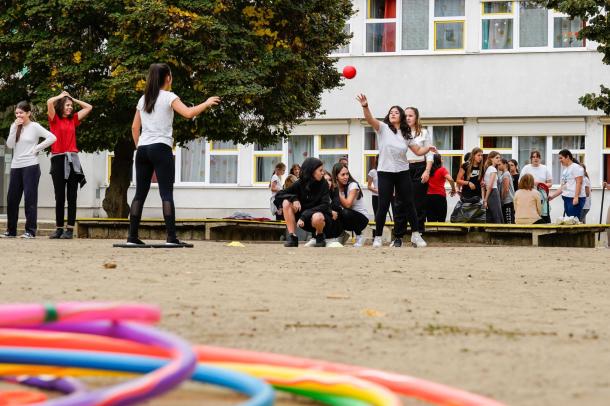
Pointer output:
x,y
513,15
263,154
207,165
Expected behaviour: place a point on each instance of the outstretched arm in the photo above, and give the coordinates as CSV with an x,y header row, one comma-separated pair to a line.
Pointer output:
x,y
190,112
373,122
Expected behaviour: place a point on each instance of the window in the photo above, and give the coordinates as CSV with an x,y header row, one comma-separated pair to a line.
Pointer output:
x,y
415,24
528,144
381,26
565,31
192,162
299,148
497,143
449,31
449,140
332,148
533,25
370,152
265,159
497,25
213,162
576,145
344,50
109,160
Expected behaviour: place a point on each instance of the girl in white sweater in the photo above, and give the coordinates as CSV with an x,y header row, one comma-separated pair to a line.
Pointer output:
x,y
25,170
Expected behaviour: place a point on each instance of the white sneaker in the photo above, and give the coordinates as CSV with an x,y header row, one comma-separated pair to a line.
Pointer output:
x,y
417,240
377,243
359,241
310,243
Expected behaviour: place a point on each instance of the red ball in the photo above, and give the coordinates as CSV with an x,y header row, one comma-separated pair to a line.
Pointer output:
x,y
349,72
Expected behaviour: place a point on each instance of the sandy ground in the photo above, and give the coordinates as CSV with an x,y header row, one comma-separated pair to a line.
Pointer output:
x,y
527,326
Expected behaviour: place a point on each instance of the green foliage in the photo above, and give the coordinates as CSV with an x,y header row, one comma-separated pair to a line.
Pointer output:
x,y
267,59
596,13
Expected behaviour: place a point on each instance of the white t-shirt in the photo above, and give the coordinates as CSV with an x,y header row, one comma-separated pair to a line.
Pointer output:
x,y
277,180
423,140
540,173
487,177
587,183
373,175
392,150
157,125
26,150
357,204
568,180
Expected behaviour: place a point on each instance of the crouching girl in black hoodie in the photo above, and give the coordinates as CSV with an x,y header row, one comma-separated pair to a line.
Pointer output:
x,y
306,203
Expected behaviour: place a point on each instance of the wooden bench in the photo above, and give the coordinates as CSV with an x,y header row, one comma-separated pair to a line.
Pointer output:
x,y
543,235
187,229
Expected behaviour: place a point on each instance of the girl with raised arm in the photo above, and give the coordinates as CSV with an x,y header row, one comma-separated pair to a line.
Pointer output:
x,y
66,170
394,138
153,136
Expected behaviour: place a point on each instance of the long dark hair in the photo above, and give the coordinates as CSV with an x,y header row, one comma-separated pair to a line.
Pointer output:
x,y
405,130
23,106
436,164
308,167
567,154
338,167
474,152
154,82
60,106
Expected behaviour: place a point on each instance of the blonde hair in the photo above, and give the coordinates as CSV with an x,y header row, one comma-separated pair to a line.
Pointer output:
x,y
290,179
526,182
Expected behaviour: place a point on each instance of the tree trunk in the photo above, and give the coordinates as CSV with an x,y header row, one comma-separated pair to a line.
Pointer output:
x,y
115,202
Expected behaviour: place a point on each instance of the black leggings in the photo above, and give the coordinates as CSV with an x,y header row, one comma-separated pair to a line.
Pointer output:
x,y
353,221
158,159
436,208
420,191
23,181
60,185
405,211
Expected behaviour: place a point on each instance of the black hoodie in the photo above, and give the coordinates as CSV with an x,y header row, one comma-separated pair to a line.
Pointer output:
x,y
312,194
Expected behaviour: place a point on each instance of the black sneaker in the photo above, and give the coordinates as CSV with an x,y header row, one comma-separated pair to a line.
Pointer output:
x,y
135,241
57,233
397,243
6,234
174,241
292,241
67,235
320,241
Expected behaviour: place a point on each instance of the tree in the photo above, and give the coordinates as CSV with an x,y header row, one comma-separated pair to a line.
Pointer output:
x,y
597,29
267,59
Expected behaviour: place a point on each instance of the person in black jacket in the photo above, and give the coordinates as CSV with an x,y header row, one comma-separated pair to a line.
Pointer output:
x,y
306,203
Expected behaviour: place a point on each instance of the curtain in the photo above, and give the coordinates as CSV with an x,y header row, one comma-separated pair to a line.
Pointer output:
x,y
442,137
565,32
498,34
533,25
333,142
193,161
223,168
265,165
449,8
415,24
330,160
389,29
527,145
299,148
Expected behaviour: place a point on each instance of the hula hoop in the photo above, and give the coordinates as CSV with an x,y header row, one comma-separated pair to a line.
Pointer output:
x,y
427,391
34,314
312,381
259,392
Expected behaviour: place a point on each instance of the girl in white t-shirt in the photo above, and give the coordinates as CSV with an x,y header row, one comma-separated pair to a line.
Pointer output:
x,y
275,185
572,188
394,138
491,197
354,216
153,135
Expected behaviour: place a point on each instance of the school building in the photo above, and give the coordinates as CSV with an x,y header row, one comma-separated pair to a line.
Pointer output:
x,y
503,75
